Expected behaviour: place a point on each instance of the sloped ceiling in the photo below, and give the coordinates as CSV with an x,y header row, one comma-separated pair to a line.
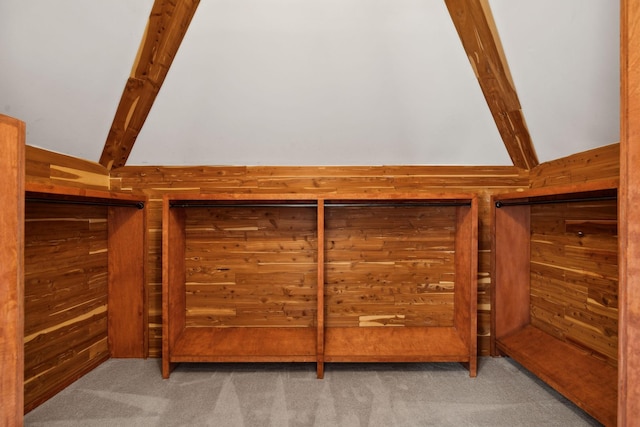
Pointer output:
x,y
311,82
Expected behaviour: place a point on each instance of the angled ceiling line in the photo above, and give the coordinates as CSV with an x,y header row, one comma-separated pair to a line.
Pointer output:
x,y
479,36
166,28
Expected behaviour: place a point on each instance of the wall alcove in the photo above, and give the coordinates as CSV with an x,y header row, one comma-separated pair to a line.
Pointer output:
x,y
555,292
84,298
309,278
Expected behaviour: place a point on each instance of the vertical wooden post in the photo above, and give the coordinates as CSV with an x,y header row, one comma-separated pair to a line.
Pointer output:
x,y
510,290
127,310
466,280
629,217
320,295
173,281
12,139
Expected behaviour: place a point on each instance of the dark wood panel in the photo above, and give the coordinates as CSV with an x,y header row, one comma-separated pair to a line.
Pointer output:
x,y
127,309
66,264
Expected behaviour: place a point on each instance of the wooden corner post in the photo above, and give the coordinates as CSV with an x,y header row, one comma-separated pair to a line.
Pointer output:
x,y
629,217
12,140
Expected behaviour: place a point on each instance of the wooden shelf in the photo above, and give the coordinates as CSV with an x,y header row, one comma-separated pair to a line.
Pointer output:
x,y
554,296
584,379
240,270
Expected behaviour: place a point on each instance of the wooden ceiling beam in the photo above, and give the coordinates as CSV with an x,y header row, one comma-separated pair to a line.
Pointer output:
x,y
474,22
168,23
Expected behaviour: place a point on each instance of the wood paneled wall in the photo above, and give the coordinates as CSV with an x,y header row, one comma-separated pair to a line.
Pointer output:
x,y
156,181
574,282
390,266
65,332
251,266
47,167
599,163
71,272
574,274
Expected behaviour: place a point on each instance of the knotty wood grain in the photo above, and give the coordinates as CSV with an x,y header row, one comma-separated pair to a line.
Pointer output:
x,y
251,266
65,323
157,181
165,30
390,266
474,22
574,276
46,167
563,289
602,163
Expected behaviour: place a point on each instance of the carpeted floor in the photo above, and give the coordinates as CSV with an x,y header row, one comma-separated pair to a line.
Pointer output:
x,y
131,392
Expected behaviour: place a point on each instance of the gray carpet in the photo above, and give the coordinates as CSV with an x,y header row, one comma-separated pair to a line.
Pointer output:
x,y
132,393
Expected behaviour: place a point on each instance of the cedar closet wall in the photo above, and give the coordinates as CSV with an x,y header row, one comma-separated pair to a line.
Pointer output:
x,y
154,182
66,262
83,293
46,168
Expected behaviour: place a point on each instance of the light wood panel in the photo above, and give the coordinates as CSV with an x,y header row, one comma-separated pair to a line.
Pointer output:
x,y
167,26
598,164
574,275
157,181
12,138
474,22
250,267
629,367
46,167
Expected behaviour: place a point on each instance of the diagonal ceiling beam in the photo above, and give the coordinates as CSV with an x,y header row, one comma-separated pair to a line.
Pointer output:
x,y
165,30
474,22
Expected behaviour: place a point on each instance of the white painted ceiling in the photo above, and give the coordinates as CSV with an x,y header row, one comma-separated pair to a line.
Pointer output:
x,y
311,82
